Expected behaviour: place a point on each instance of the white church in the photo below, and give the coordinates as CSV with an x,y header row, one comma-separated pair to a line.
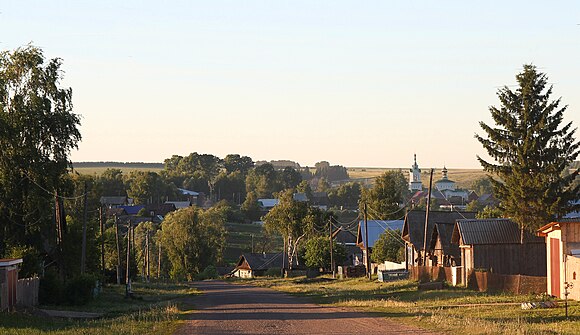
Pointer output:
x,y
446,187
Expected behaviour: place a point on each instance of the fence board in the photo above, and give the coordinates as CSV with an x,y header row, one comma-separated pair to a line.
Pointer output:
x,y
27,291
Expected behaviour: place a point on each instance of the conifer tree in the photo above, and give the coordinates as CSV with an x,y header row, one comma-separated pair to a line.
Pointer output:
x,y
533,151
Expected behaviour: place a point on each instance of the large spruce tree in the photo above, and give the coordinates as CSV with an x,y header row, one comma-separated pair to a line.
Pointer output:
x,y
533,151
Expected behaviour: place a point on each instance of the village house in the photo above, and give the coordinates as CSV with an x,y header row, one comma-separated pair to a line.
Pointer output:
x,y
375,228
495,245
348,241
563,257
413,233
252,265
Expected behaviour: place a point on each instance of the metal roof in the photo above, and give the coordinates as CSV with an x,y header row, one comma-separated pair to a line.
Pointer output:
x,y
268,203
490,231
376,228
414,228
188,192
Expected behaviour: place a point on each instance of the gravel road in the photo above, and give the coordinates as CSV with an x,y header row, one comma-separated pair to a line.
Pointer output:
x,y
240,309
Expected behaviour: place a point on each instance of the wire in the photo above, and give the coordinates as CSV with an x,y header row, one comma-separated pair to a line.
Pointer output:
x,y
52,193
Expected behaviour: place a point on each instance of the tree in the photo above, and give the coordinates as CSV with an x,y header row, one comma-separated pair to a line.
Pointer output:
x,y
235,162
111,183
482,186
289,178
250,207
531,149
387,195
346,195
389,247
317,253
304,187
291,219
193,239
263,180
147,187
38,129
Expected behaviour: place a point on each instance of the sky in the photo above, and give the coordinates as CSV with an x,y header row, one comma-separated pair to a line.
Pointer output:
x,y
355,83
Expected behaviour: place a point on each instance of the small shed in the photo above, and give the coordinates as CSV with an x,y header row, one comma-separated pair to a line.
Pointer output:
x,y
563,256
251,265
8,282
495,245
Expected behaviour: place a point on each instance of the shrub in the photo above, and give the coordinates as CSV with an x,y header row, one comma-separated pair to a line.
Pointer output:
x,y
273,272
209,272
51,289
79,290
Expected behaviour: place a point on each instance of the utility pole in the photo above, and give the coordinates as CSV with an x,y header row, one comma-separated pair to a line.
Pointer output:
x,y
252,243
118,250
102,229
330,239
84,243
147,254
427,219
158,258
283,258
367,256
128,272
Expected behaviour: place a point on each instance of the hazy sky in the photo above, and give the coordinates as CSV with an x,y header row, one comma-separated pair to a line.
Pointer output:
x,y
357,83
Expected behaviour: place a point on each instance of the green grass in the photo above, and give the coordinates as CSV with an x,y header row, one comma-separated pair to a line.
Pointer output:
x,y
157,310
450,310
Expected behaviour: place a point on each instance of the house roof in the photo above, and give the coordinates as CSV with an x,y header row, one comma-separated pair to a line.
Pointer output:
x,y
188,192
301,197
557,225
179,204
132,210
376,228
342,235
9,261
414,227
490,231
258,261
445,231
161,209
115,211
116,200
268,203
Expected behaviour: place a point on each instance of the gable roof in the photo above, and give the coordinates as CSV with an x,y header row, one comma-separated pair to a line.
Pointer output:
x,y
490,231
179,204
268,203
257,261
414,227
132,210
342,235
376,228
115,200
444,231
188,192
300,197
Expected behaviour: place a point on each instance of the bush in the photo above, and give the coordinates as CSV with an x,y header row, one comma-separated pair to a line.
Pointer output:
x,y
79,290
273,272
209,272
51,289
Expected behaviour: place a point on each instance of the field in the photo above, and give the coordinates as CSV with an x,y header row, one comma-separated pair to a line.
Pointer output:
x,y
463,177
452,310
156,310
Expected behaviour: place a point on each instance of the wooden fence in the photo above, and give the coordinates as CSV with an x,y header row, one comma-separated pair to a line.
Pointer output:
x,y
428,273
27,291
3,296
517,284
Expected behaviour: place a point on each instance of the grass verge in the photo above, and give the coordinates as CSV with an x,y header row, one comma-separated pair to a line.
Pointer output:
x,y
452,310
156,310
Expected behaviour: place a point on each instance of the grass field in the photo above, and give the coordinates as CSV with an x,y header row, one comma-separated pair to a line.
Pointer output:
x,y
99,170
463,177
452,310
155,311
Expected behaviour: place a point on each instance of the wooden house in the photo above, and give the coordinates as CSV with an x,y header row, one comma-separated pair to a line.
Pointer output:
x,y
495,245
413,233
443,252
348,241
252,265
375,228
563,256
8,282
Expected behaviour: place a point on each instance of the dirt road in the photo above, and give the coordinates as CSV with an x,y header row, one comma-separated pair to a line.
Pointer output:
x,y
238,309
